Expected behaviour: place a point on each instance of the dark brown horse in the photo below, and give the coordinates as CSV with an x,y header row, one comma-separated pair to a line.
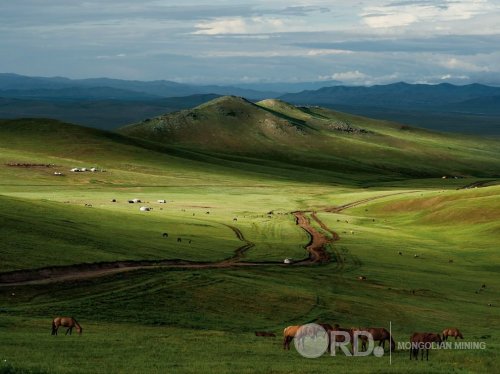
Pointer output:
x,y
379,335
340,338
68,322
422,340
265,334
453,332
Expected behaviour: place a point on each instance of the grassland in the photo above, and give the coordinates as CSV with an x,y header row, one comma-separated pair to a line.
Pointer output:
x,y
203,320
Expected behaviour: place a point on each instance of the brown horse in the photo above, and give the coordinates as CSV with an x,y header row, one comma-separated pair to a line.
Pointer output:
x,y
68,322
379,335
288,334
453,332
300,333
338,338
422,340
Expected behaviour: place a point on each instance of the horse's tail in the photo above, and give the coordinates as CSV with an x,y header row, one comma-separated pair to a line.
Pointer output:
x,y
393,344
53,327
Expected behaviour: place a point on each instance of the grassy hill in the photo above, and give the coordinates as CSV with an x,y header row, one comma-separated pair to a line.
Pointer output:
x,y
321,139
223,192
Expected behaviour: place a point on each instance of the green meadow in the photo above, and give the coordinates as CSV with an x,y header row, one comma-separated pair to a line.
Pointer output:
x,y
192,320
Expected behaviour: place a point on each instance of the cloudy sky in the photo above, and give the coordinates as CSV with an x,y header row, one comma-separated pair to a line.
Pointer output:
x,y
234,41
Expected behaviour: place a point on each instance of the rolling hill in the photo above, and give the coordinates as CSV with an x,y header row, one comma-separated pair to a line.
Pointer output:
x,y
424,247
469,109
319,138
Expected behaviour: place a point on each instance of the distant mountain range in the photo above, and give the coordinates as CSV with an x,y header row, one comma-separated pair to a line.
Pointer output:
x,y
402,96
19,86
104,114
110,103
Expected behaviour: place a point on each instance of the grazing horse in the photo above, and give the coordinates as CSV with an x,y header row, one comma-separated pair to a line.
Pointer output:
x,y
300,333
179,240
338,338
379,335
452,331
422,340
265,334
288,334
68,322
165,235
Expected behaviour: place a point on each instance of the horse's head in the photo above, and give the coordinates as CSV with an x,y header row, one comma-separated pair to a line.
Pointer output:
x,y
79,329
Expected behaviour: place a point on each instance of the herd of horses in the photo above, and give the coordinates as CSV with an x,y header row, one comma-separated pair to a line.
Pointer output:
x,y
419,341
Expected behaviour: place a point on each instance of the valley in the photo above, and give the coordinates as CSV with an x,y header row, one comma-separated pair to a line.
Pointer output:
x,y
374,233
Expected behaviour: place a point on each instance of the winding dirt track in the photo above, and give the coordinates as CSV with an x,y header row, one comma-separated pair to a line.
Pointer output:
x,y
477,184
316,247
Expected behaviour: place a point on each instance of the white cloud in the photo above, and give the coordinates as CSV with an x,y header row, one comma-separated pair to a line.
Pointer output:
x,y
404,14
240,25
354,76
454,63
287,52
327,52
453,77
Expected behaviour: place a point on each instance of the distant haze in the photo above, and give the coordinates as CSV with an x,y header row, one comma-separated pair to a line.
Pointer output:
x,y
255,42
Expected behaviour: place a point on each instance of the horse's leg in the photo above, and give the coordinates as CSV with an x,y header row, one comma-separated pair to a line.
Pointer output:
x,y
427,355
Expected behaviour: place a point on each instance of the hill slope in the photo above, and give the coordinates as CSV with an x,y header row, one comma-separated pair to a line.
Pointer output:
x,y
320,139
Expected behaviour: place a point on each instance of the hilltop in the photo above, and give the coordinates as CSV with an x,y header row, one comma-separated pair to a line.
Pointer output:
x,y
319,138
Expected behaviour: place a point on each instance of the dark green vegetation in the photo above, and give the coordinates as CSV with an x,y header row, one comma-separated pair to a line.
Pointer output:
x,y
203,320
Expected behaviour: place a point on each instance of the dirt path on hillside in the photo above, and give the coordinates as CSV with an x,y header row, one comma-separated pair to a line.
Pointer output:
x,y
240,251
316,247
476,184
317,241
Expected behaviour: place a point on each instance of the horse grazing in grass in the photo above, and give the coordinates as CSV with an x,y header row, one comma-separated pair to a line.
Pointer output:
x,y
339,338
68,322
288,334
453,332
379,335
422,340
300,333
